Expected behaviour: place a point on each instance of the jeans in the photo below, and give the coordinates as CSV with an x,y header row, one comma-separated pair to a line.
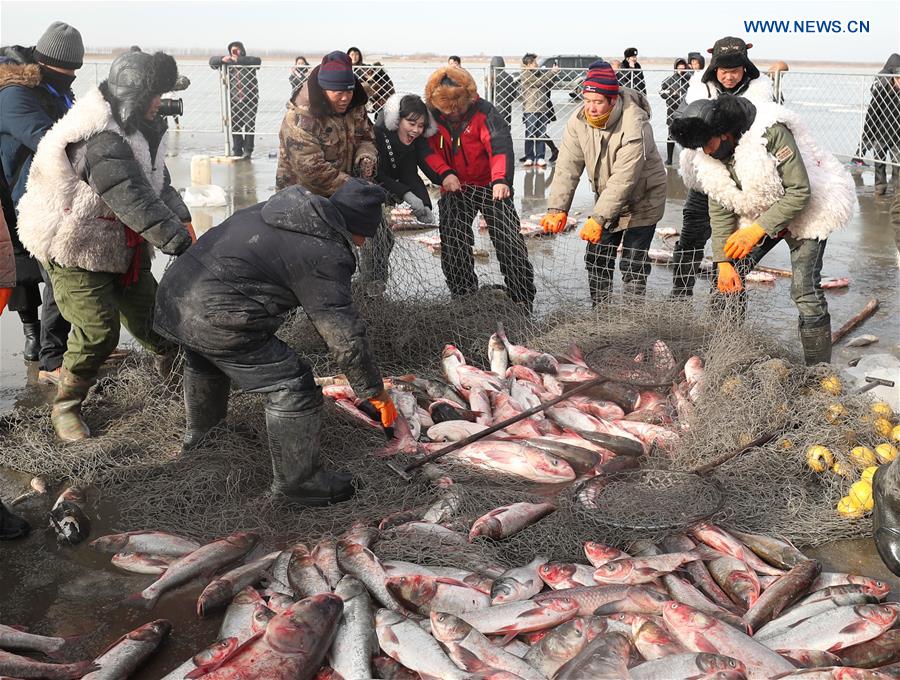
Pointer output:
x,y
600,260
806,289
535,131
457,211
695,232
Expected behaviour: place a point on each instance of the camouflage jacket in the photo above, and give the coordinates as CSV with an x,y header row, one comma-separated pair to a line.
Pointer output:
x,y
318,149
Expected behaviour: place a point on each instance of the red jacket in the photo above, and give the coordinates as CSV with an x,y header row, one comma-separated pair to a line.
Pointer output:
x,y
478,150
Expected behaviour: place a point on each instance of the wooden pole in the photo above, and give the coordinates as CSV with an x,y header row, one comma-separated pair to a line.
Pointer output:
x,y
867,311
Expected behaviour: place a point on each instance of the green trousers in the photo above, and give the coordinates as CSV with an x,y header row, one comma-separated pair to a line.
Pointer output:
x,y
96,303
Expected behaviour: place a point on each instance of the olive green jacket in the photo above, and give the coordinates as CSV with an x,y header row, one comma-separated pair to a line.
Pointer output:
x,y
623,165
781,144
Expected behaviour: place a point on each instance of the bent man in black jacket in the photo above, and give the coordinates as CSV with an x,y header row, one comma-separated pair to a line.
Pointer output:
x,y
224,299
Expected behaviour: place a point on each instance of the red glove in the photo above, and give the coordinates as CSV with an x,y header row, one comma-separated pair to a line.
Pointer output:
x,y
385,405
553,223
728,280
5,294
591,231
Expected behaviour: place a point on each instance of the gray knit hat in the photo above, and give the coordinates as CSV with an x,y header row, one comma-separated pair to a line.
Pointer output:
x,y
60,46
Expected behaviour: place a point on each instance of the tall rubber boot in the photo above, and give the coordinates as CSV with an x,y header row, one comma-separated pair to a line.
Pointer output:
x,y
205,404
815,336
294,447
886,518
11,526
32,332
66,412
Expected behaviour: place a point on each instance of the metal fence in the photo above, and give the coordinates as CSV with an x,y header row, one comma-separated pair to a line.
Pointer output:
x,y
854,115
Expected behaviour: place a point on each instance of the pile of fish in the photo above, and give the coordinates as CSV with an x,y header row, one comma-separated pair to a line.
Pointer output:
x,y
577,439
710,603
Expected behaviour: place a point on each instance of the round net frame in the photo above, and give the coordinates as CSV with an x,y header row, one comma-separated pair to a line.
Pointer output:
x,y
651,499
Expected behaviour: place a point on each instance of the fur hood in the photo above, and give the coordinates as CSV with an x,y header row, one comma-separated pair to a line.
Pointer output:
x,y
24,75
450,89
390,115
310,99
758,186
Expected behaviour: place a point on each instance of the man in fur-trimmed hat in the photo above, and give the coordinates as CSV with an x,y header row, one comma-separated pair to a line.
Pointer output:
x,y
472,154
768,181
98,197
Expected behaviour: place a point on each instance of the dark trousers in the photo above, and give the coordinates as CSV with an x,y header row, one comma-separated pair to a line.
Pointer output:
x,y
806,279
891,155
695,232
25,299
457,211
535,131
600,261
243,125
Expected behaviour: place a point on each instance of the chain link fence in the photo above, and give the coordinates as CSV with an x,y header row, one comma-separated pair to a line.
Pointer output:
x,y
853,115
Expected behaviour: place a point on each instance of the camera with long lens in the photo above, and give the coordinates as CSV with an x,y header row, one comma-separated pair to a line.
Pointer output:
x,y
171,107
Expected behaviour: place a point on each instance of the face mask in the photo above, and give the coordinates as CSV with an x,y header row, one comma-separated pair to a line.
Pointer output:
x,y
726,148
59,81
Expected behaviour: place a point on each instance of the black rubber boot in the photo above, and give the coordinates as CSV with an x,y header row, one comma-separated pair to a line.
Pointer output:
x,y
294,447
886,517
815,336
205,404
32,332
11,526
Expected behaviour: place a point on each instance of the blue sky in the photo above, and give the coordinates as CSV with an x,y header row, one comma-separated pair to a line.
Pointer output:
x,y
658,29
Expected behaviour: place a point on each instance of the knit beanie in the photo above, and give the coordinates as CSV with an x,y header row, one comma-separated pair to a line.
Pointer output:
x,y
601,79
359,203
60,46
336,72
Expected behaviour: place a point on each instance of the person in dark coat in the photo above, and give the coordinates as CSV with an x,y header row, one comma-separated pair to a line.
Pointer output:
x,y
35,92
672,91
299,74
630,74
881,132
375,81
696,61
401,133
224,300
243,92
503,88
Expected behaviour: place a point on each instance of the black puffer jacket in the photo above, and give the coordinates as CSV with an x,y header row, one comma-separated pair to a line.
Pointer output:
x,y
399,164
229,292
632,77
674,88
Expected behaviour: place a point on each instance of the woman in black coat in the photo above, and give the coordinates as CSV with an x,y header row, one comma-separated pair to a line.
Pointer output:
x,y
630,74
672,91
401,130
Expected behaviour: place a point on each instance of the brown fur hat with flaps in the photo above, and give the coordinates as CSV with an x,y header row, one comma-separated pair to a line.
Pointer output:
x,y
450,89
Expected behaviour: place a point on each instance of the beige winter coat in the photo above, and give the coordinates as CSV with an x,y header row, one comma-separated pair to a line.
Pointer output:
x,y
623,165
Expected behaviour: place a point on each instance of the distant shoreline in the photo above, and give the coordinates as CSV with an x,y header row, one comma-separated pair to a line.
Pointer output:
x,y
653,63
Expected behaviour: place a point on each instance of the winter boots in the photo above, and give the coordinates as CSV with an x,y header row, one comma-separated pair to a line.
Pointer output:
x,y
32,333
294,422
205,404
66,413
815,336
11,526
886,518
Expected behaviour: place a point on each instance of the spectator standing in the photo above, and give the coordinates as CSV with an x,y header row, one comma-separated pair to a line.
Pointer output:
x,y
243,94
672,91
503,88
299,74
631,75
881,132
536,85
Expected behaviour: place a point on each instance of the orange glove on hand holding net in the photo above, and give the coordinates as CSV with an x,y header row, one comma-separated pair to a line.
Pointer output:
x,y
728,280
591,231
741,242
555,222
385,405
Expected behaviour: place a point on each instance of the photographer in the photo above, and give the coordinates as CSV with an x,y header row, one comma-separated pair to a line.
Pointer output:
x,y
99,190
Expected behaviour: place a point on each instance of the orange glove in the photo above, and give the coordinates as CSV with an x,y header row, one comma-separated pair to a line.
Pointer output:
x,y
5,294
385,405
728,280
741,242
190,230
553,223
591,231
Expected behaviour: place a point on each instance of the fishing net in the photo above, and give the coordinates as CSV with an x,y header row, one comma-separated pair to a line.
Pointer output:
x,y
751,386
